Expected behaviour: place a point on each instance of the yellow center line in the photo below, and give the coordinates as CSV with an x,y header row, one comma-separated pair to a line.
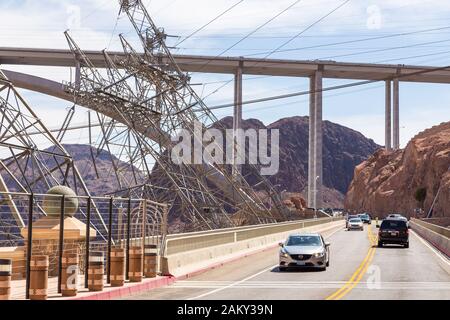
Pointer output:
x,y
359,273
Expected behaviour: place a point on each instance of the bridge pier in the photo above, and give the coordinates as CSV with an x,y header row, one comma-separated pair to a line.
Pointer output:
x,y
388,116
315,165
312,134
396,112
237,115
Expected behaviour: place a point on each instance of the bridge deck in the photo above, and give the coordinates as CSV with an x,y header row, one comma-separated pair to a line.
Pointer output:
x,y
229,65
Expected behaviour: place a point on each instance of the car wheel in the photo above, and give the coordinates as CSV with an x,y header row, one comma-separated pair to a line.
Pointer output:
x,y
323,269
328,263
281,269
380,244
406,245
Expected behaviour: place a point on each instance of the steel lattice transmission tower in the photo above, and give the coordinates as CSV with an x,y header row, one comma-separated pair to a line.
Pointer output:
x,y
32,159
148,99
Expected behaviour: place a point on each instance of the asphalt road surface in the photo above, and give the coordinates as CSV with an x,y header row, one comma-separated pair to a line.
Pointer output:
x,y
358,270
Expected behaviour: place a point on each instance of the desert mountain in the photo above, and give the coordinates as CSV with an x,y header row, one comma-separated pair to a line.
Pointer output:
x,y
406,180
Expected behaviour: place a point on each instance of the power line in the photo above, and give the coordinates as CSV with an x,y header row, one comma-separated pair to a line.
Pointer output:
x,y
354,41
290,40
307,28
385,49
344,86
210,22
251,33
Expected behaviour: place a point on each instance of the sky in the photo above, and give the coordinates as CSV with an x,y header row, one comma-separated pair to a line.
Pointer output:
x,y
323,24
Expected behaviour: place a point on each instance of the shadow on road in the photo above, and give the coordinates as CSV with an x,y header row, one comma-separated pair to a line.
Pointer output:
x,y
296,270
388,247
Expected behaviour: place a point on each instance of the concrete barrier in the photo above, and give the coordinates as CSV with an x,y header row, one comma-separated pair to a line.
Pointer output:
x,y
187,254
438,236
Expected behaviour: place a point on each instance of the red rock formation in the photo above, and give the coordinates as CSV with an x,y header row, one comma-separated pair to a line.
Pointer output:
x,y
387,182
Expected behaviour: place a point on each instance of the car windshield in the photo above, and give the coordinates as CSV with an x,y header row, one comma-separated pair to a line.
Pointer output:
x,y
304,241
395,225
355,220
363,216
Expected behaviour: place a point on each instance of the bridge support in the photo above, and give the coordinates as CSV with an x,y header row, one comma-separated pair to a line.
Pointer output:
x,y
396,112
388,116
237,116
315,166
312,134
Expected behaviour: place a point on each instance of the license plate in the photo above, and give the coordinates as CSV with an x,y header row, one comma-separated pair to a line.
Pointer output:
x,y
394,234
300,263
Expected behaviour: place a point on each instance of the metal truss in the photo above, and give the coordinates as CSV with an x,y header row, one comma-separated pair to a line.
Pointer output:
x,y
33,159
142,101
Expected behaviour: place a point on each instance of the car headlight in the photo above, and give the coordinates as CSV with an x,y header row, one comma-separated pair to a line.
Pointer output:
x,y
319,254
284,254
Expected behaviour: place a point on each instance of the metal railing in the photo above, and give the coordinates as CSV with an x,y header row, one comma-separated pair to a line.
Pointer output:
x,y
130,222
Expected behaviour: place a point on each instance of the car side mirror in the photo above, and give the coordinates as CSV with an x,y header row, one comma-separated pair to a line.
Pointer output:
x,y
281,244
378,226
327,244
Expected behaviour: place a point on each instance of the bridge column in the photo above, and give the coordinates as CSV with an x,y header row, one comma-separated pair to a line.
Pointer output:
x,y
396,116
388,116
318,145
237,115
312,135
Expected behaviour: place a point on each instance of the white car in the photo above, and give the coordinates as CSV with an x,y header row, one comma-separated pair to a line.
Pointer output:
x,y
355,224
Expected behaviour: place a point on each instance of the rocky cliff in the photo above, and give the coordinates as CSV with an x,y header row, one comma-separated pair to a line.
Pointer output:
x,y
343,150
390,182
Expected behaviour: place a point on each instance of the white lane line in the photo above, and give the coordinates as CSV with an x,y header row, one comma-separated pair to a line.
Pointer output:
x,y
246,279
435,251
233,284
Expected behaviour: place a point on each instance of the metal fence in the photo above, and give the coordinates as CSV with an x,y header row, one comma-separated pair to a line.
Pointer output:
x,y
37,224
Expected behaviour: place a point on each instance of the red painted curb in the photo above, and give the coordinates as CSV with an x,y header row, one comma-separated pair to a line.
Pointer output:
x,y
128,290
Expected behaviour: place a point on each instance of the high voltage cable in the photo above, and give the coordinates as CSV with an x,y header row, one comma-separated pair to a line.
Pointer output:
x,y
251,33
354,41
385,49
344,86
207,24
307,28
291,39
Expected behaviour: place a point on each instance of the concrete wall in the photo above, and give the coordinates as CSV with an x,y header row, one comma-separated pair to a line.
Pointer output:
x,y
438,236
185,255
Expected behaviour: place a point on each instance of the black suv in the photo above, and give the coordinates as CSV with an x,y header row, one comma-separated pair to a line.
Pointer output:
x,y
394,231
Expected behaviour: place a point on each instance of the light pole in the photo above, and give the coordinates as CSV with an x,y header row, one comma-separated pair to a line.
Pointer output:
x,y
315,197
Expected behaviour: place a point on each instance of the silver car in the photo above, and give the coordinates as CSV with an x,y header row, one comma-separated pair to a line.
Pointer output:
x,y
304,250
355,223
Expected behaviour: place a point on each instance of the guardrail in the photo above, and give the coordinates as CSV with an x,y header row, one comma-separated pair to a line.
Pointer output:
x,y
438,229
192,241
438,236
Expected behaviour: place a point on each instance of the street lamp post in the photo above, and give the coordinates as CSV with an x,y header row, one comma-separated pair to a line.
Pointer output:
x,y
315,197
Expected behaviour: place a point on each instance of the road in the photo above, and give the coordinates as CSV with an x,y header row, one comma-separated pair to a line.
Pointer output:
x,y
358,270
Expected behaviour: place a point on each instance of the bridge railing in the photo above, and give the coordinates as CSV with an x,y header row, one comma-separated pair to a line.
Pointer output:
x,y
186,254
434,227
192,241
438,236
